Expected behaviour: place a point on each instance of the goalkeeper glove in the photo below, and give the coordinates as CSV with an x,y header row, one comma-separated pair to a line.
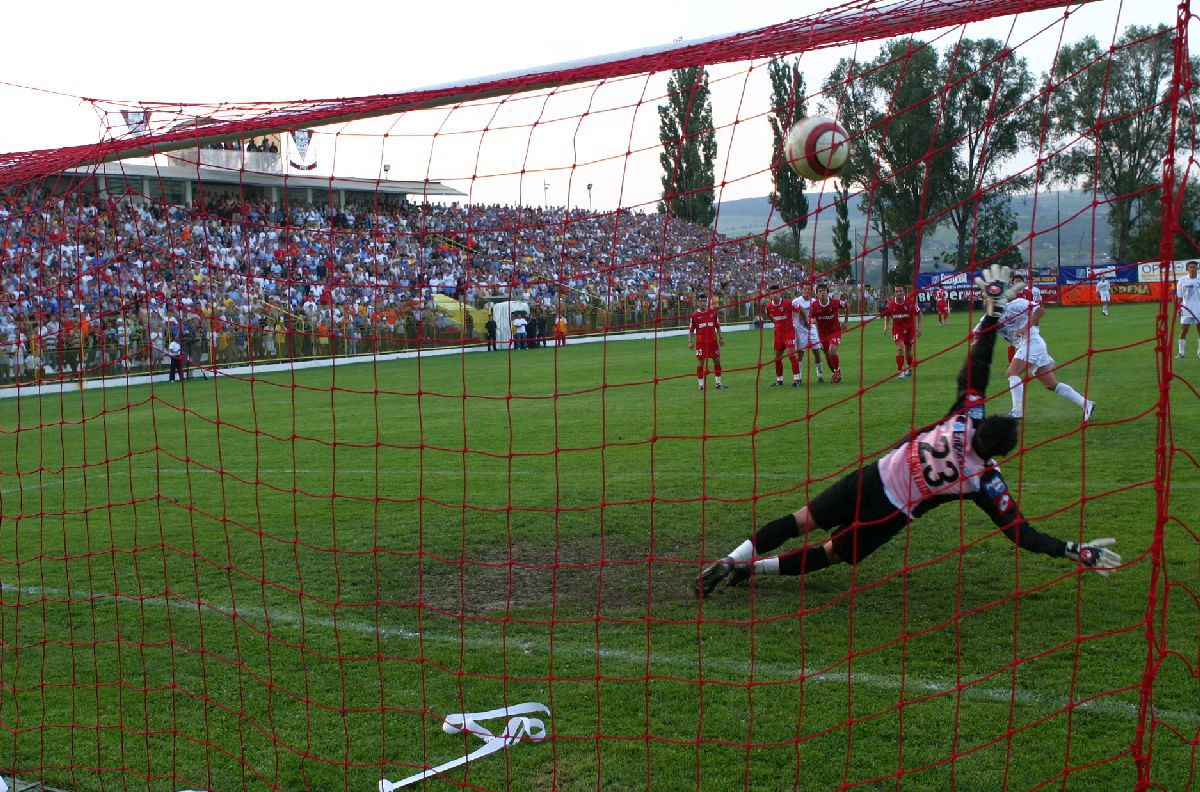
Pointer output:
x,y
996,288
1095,555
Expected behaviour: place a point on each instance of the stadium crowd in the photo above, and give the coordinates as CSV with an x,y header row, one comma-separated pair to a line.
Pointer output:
x,y
104,284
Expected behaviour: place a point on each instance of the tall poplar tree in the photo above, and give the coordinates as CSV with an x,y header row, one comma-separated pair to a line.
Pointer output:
x,y
787,99
689,143
843,241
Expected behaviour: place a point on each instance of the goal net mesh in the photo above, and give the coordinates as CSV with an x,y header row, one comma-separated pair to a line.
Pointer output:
x,y
359,443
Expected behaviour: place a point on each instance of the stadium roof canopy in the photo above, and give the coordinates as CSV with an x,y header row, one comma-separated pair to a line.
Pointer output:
x,y
232,177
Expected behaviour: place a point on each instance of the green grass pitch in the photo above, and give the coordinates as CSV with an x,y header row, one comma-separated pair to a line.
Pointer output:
x,y
289,581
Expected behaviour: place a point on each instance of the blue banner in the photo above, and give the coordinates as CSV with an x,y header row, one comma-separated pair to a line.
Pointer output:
x,y
959,285
1115,273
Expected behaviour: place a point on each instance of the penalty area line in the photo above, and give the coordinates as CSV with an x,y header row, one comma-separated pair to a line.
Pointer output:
x,y
765,672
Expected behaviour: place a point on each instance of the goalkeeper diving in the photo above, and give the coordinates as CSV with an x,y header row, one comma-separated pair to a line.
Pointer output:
x,y
948,461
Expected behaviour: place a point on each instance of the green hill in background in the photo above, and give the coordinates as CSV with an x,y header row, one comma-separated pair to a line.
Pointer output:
x,y
1082,237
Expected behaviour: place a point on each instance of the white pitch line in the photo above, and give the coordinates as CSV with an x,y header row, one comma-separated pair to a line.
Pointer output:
x,y
611,474
762,671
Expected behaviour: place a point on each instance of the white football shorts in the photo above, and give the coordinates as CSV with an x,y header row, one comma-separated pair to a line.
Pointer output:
x,y
1032,350
813,341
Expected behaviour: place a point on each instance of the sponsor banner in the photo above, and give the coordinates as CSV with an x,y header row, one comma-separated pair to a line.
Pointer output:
x,y
1085,293
1113,273
1045,280
1151,272
958,285
1078,284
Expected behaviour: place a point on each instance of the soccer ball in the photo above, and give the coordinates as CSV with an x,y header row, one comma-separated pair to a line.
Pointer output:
x,y
817,147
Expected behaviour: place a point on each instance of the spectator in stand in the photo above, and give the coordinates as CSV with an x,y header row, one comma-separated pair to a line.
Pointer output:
x,y
560,330
123,262
490,329
519,334
539,332
175,353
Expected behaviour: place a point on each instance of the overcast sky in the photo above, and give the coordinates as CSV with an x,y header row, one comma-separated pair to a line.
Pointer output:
x,y
266,51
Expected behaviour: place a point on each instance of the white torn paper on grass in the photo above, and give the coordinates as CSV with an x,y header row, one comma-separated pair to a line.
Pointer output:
x,y
516,729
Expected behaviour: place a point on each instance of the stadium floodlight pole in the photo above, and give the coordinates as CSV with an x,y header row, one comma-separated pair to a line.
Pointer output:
x,y
822,30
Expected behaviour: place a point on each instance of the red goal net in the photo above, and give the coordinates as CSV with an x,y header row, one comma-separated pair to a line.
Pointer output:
x,y
390,442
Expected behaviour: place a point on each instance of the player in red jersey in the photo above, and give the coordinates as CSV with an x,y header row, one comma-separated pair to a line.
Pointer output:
x,y
705,337
826,313
942,301
779,312
902,319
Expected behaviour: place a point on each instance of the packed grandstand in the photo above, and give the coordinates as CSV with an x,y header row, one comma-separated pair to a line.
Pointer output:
x,y
102,284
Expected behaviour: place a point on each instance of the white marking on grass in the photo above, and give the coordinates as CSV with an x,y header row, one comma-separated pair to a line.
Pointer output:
x,y
182,469
761,671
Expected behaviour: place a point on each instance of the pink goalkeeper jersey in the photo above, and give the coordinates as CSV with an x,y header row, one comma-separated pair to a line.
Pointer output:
x,y
938,461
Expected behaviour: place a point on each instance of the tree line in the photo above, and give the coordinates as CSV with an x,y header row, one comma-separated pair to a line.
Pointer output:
x,y
936,136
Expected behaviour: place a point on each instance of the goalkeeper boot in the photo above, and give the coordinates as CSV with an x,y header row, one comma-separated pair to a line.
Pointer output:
x,y
1089,407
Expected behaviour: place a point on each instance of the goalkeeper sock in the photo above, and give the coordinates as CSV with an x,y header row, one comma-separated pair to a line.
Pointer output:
x,y
770,536
1182,346
1069,393
1017,386
801,562
767,566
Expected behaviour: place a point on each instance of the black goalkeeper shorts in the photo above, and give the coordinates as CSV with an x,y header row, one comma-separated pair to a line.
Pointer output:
x,y
857,512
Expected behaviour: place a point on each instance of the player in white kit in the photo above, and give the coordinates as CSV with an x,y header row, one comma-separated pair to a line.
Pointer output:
x,y
1187,293
1019,327
1104,292
806,330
